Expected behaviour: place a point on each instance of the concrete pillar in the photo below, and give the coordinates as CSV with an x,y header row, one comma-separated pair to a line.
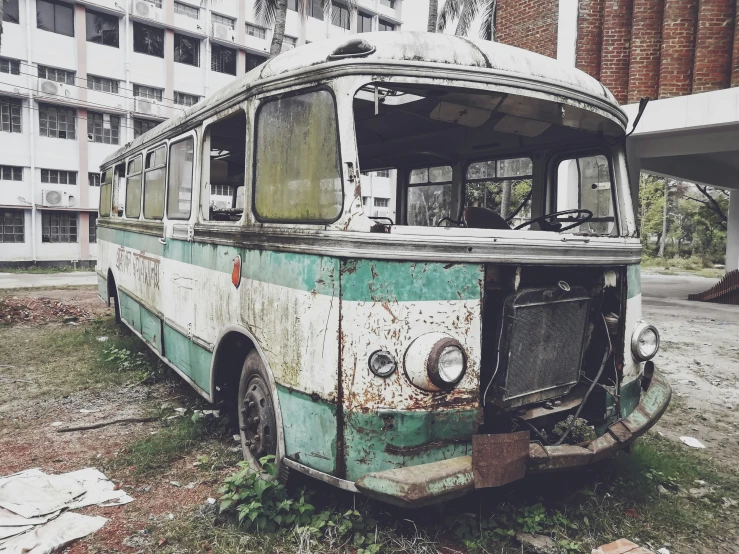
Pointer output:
x,y
732,233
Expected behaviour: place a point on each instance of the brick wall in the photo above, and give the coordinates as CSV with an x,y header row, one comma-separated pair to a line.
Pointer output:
x,y
713,45
678,40
646,42
590,36
614,63
529,24
735,55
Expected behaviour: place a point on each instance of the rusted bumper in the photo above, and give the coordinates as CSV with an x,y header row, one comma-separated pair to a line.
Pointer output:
x,y
422,485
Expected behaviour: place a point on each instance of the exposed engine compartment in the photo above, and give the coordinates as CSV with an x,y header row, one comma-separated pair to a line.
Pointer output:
x,y
552,355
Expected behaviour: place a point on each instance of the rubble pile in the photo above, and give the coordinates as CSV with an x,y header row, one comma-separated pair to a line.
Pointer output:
x,y
24,309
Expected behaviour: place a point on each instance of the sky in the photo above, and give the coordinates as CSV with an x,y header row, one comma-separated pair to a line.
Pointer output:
x,y
415,14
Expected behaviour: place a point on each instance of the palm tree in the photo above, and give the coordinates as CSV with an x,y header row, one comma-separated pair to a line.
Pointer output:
x,y
433,16
2,14
464,12
268,12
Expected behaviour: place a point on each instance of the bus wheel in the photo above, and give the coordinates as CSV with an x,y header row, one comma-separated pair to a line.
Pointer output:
x,y
257,421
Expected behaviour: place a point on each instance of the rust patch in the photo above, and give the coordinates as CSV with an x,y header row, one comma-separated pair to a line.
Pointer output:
x,y
421,448
499,459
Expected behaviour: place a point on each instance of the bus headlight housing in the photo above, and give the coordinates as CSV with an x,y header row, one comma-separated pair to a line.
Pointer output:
x,y
644,341
435,361
382,363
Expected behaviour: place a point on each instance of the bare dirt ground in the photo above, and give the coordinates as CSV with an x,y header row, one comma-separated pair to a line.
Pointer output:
x,y
51,373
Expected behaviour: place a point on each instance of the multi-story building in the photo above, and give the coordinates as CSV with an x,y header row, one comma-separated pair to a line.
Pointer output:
x,y
682,54
80,79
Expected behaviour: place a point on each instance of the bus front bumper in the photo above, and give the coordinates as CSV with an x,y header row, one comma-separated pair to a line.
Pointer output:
x,y
426,484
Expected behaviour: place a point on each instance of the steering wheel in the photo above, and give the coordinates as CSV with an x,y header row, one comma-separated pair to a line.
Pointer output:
x,y
459,223
556,226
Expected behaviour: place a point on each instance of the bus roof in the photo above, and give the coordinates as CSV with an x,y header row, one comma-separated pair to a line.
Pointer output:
x,y
398,50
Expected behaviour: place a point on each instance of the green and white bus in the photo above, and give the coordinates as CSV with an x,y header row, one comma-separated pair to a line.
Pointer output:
x,y
490,327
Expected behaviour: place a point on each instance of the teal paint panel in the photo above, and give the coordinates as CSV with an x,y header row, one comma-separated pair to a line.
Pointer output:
x,y
305,272
103,288
391,281
633,280
151,328
200,360
309,428
630,396
179,250
177,349
130,310
377,441
138,241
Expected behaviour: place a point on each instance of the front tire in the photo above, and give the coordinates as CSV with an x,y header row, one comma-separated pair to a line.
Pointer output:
x,y
257,418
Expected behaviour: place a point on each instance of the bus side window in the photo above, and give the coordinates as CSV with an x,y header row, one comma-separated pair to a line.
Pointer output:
x,y
133,188
179,193
106,184
223,199
429,195
297,175
154,183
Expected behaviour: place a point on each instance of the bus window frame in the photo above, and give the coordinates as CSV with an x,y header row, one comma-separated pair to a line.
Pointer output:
x,y
188,135
552,184
255,140
466,166
139,154
164,144
110,199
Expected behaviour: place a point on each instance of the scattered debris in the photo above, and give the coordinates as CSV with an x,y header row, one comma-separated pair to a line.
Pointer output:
x,y
211,501
692,442
102,339
23,309
175,483
33,504
104,424
540,544
728,502
663,551
621,546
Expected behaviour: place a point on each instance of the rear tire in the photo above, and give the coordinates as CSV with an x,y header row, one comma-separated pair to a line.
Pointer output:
x,y
257,418
116,306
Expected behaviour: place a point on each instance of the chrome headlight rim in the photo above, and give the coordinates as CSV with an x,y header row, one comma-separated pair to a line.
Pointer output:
x,y
432,367
640,328
387,354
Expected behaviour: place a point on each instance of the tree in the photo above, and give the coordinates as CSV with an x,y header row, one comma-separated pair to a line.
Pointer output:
x,y
464,12
2,14
433,16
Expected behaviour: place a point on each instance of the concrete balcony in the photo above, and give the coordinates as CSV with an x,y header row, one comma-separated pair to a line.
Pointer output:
x,y
55,93
111,6
188,24
223,34
259,40
148,108
15,85
99,101
14,41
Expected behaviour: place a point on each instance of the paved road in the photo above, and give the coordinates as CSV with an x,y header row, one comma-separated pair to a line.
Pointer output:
x,y
46,280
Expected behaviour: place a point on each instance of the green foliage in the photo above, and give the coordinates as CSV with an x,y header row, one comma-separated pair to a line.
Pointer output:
x,y
262,503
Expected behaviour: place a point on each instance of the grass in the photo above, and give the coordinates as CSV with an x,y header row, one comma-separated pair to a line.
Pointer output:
x,y
681,266
42,269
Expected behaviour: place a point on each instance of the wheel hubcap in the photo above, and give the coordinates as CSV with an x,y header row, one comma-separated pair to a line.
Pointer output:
x,y
256,420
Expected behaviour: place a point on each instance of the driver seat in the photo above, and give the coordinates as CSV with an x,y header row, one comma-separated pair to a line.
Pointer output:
x,y
484,218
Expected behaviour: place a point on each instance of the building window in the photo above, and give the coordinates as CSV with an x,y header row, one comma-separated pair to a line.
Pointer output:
x,y
10,115
12,228
288,43
155,3
148,40
185,99
13,67
223,20
11,13
222,59
11,173
186,50
93,229
365,199
140,126
315,9
364,23
55,17
58,177
388,3
253,61
383,173
382,202
287,189
56,122
189,11
58,227
221,190
102,28
93,179
385,26
151,93
102,84
340,15
103,127
292,5
57,75
256,32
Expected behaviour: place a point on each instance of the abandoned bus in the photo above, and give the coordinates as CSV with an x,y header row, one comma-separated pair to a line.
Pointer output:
x,y
486,326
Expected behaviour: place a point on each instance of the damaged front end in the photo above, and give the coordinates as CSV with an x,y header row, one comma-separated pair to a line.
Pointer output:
x,y
566,379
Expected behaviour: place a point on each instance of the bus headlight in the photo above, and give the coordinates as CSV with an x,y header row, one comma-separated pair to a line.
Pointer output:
x,y
644,341
435,361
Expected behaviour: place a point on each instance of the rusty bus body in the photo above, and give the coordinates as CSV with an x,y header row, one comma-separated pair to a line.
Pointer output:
x,y
412,359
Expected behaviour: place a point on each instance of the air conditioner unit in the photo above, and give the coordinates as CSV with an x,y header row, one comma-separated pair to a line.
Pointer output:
x,y
223,32
53,89
147,106
142,8
55,198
